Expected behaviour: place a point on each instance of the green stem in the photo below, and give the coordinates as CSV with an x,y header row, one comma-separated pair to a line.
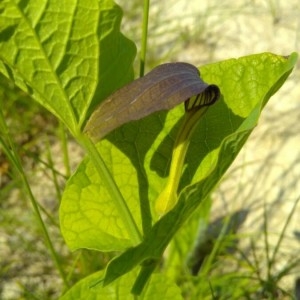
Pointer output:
x,y
14,158
144,37
113,190
168,197
44,229
143,277
54,174
64,143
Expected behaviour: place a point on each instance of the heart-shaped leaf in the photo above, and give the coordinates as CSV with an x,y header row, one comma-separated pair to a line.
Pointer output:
x,y
52,49
139,155
215,144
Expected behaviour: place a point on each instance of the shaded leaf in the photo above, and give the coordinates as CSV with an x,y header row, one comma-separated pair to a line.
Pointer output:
x,y
160,287
223,133
87,216
148,143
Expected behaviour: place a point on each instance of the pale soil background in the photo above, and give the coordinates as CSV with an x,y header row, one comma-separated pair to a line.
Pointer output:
x,y
267,171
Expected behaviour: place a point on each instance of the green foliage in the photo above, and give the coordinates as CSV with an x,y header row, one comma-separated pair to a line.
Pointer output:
x,y
47,52
69,57
224,132
160,287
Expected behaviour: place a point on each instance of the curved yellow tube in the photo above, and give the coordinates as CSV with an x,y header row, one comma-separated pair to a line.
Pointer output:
x,y
168,197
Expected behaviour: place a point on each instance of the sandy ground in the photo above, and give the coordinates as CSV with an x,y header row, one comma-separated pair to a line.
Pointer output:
x,y
267,170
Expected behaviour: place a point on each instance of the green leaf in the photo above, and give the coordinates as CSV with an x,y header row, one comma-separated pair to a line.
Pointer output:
x,y
218,139
160,287
181,246
87,216
141,152
65,55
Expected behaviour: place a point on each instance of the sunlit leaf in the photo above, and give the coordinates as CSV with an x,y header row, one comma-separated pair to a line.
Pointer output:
x,y
216,143
160,287
55,51
148,145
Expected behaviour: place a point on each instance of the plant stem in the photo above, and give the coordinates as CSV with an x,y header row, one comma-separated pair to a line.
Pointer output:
x,y
54,175
144,36
12,154
283,231
266,241
143,277
44,229
63,139
113,190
